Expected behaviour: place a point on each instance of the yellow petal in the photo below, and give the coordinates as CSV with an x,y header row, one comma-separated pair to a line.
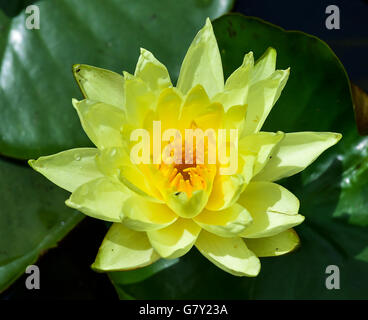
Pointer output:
x,y
240,77
264,66
152,71
101,198
69,169
276,245
115,162
260,144
168,108
261,98
100,85
225,223
143,215
273,208
187,207
195,103
124,249
295,152
237,85
229,254
101,122
202,64
211,117
227,188
234,118
174,240
139,99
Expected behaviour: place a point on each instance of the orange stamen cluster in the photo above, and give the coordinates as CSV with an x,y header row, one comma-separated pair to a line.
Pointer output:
x,y
186,177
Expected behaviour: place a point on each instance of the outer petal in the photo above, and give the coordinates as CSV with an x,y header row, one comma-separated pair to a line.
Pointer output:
x,y
295,152
225,223
260,144
124,249
264,66
101,198
175,240
237,85
101,122
202,64
143,215
261,98
276,245
100,85
273,208
229,254
69,169
152,71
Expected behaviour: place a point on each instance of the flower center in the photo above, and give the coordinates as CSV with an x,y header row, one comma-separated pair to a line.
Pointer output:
x,y
188,172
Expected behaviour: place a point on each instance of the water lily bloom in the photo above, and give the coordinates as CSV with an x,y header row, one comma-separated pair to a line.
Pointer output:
x,y
162,210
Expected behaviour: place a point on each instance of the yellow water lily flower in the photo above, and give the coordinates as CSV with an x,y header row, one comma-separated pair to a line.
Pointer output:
x,y
162,210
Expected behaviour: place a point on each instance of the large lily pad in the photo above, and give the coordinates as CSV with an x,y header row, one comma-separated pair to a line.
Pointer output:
x,y
35,75
333,191
33,218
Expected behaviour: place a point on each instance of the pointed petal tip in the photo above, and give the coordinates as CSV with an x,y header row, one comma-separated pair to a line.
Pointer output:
x,y
144,52
31,163
333,137
76,67
287,72
271,51
75,103
208,22
248,59
70,204
35,165
127,75
338,137
95,268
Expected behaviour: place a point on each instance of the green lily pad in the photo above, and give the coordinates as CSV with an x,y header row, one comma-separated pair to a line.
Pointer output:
x,y
36,79
122,278
33,218
15,6
333,191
